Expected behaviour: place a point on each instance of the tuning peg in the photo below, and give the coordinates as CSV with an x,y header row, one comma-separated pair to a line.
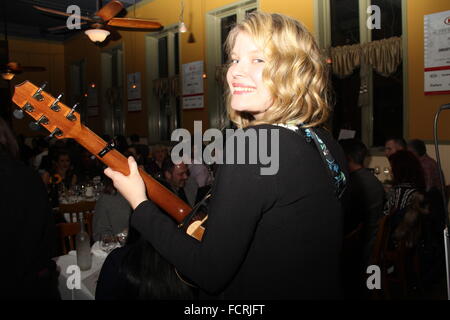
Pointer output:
x,y
70,115
18,114
57,132
36,125
38,96
54,105
28,107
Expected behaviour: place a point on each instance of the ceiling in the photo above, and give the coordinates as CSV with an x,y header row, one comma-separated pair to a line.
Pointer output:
x,y
22,20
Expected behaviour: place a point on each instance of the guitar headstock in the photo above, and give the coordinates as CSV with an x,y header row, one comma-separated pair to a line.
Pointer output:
x,y
60,120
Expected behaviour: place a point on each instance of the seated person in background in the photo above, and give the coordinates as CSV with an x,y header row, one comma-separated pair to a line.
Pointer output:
x,y
199,172
112,212
393,145
141,150
154,166
429,165
121,143
176,179
89,167
137,272
141,158
435,222
28,228
407,193
364,199
61,171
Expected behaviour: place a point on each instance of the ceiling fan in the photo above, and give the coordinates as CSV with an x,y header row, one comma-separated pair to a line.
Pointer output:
x,y
12,68
104,22
8,69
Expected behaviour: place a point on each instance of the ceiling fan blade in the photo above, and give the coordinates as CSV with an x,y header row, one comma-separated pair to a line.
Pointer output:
x,y
62,27
48,10
33,69
110,10
133,23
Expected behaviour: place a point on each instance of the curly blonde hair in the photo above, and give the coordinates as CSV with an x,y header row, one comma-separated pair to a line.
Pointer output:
x,y
295,71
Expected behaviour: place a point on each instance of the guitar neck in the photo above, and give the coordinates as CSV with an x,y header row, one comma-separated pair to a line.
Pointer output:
x,y
165,199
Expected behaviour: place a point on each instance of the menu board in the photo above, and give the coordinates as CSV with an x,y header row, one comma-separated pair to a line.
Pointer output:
x,y
193,85
437,53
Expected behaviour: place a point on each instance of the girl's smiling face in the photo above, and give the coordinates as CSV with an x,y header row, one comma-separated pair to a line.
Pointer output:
x,y
245,80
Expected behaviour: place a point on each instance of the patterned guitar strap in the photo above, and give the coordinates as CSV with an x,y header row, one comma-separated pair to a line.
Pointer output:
x,y
334,170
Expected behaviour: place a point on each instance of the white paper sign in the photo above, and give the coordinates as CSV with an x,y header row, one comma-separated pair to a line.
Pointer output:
x,y
194,102
346,134
437,52
193,78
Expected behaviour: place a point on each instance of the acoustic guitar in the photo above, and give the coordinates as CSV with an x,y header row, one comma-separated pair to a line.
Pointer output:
x,y
64,122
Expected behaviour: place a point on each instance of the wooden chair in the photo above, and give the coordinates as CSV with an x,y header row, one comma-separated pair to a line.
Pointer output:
x,y
88,217
78,209
67,233
396,264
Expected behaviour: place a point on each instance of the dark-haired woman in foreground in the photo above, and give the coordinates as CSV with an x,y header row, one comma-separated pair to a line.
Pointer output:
x,y
137,272
28,228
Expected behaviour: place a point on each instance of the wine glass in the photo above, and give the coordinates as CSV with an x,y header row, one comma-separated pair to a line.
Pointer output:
x,y
376,170
122,237
107,241
387,173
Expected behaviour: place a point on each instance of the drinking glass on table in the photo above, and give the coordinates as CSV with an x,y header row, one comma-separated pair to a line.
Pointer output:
x,y
387,173
122,237
107,241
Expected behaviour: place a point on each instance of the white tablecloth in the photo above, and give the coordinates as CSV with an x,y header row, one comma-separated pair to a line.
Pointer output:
x,y
88,278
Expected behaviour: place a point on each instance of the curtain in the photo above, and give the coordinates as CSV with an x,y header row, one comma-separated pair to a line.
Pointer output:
x,y
384,56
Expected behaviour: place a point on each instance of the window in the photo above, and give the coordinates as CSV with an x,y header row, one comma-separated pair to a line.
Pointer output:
x,y
343,22
218,24
163,68
112,91
78,86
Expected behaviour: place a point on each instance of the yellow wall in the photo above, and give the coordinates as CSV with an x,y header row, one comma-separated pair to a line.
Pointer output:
x,y
41,53
302,10
57,57
422,108
167,13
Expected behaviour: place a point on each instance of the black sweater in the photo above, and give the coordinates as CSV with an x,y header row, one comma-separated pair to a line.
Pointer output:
x,y
267,236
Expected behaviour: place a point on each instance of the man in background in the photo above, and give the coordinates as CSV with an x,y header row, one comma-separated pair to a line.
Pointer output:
x,y
393,145
429,165
364,200
177,180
